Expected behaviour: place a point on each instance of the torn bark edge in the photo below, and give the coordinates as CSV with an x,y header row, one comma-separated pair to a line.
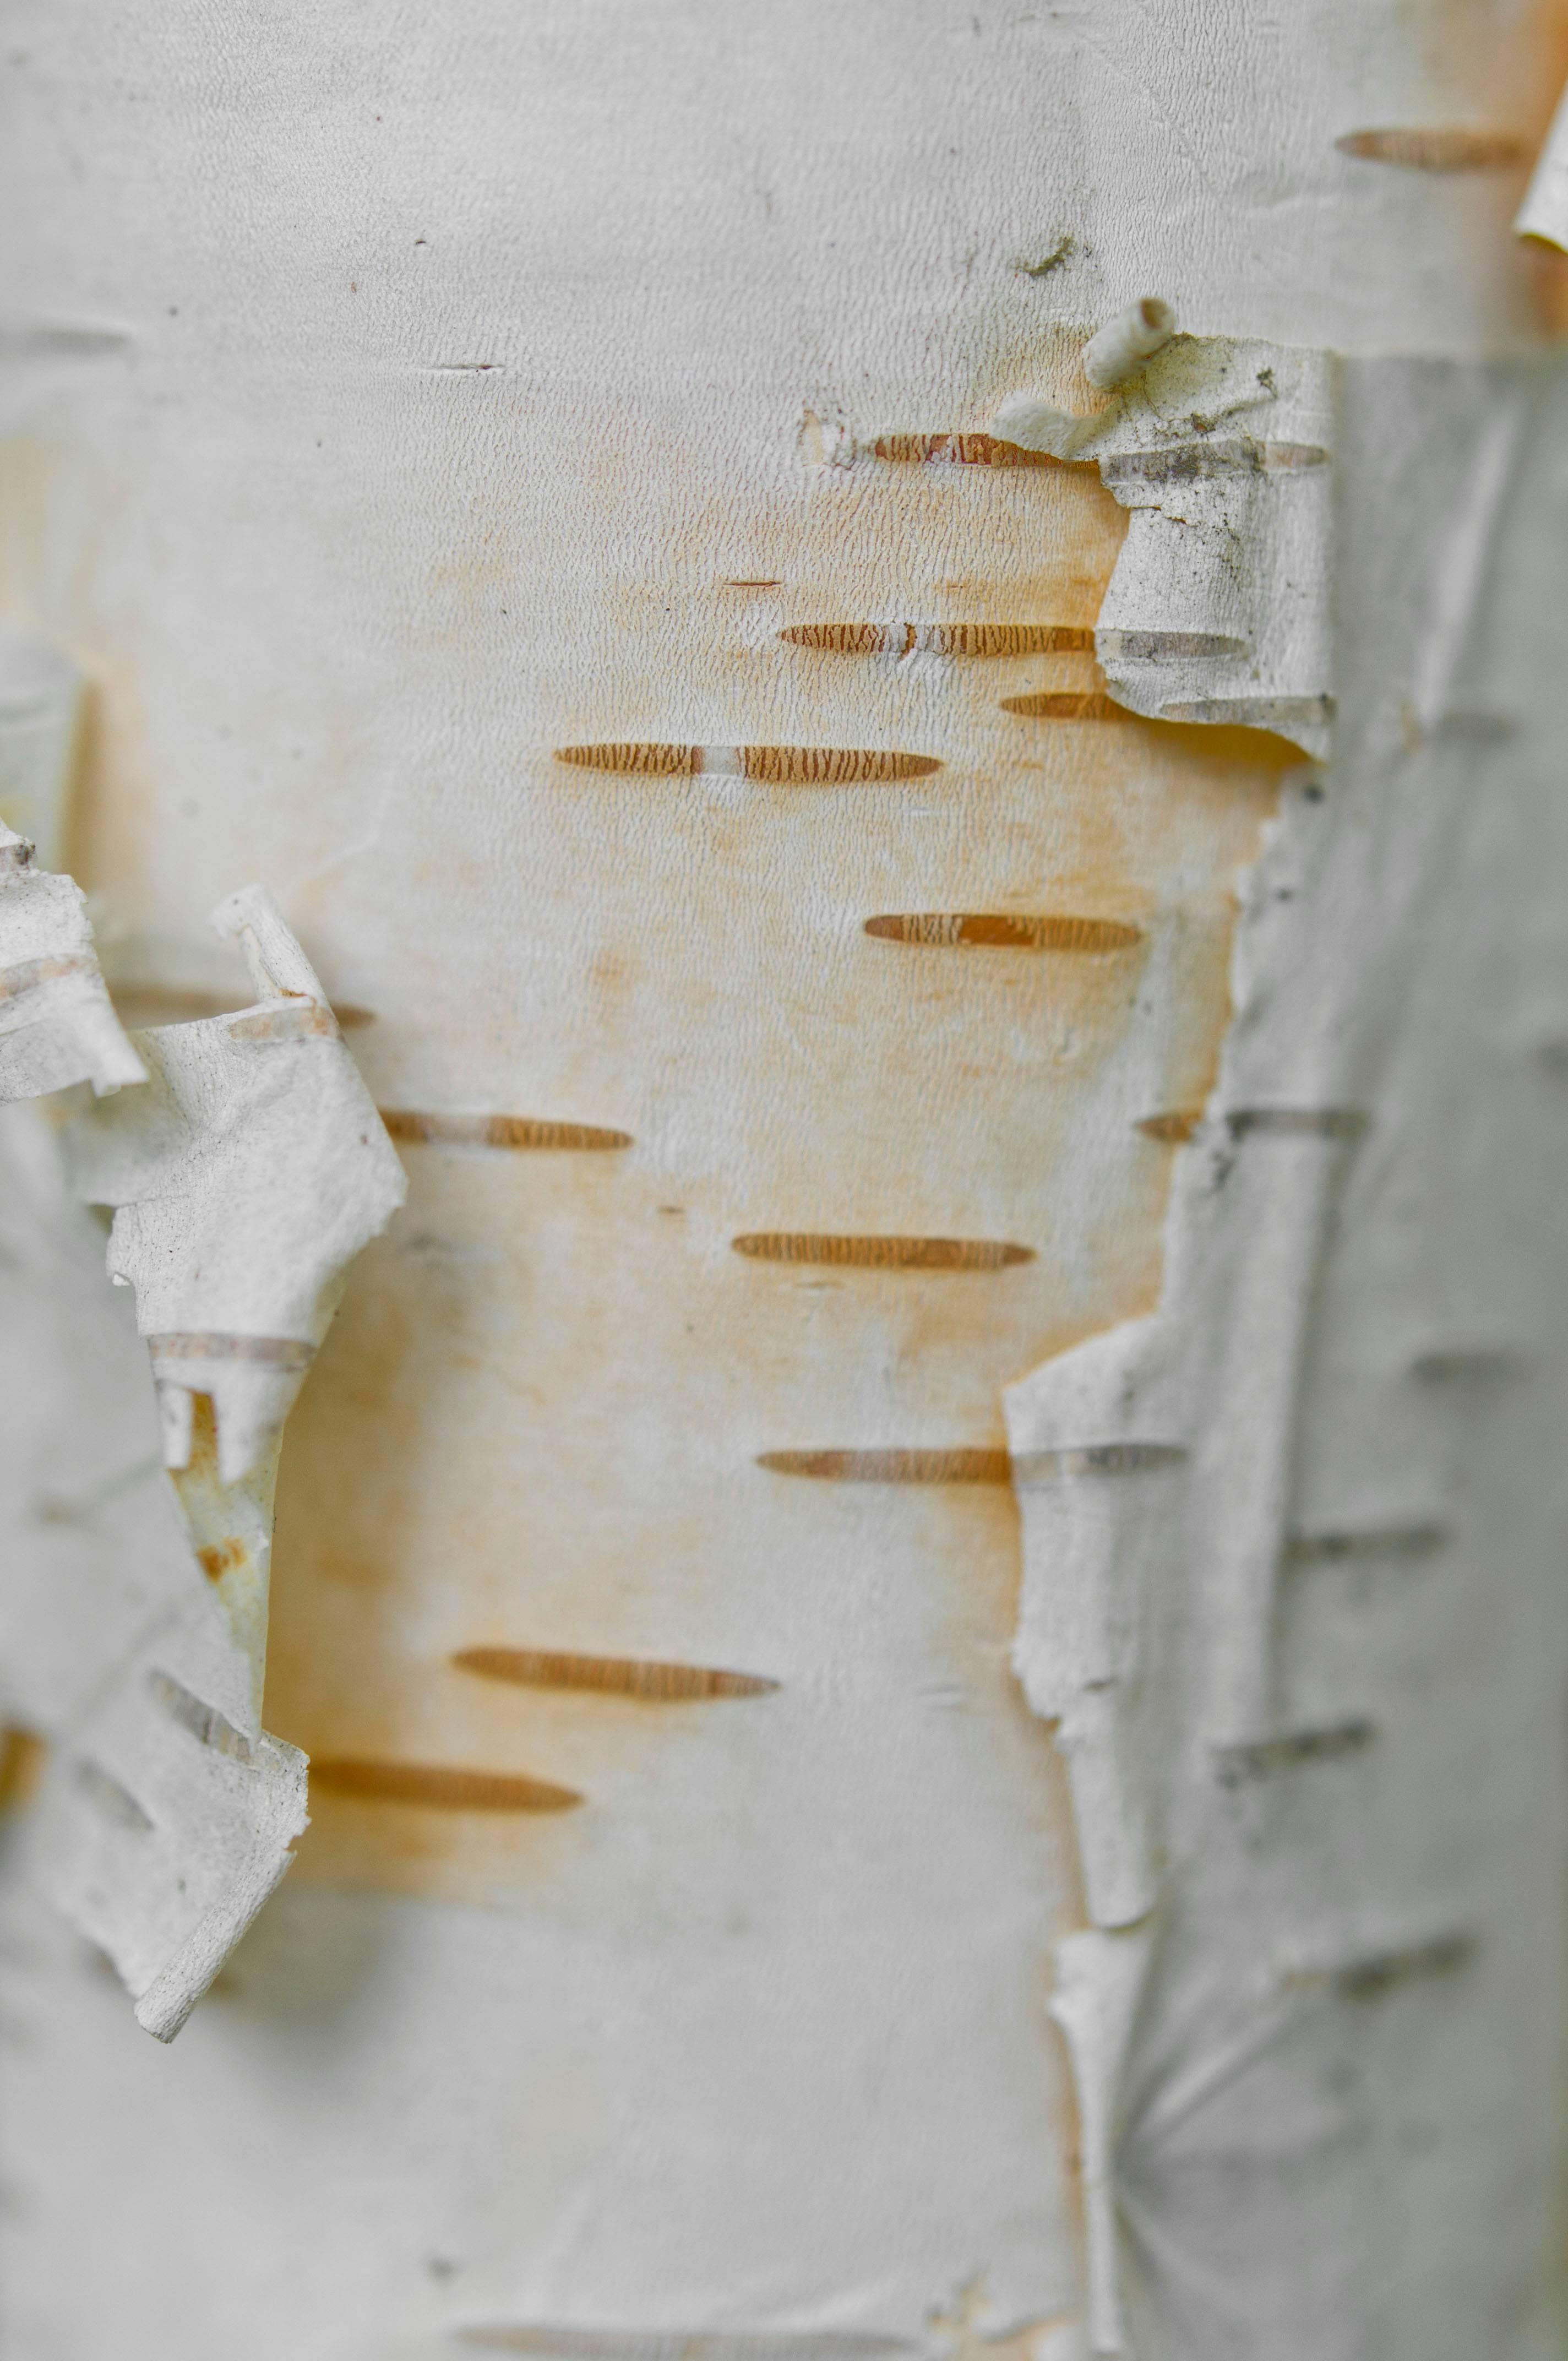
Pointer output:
x,y
1217,608
1095,1499
258,1377
278,967
1108,1423
252,1378
1104,1469
163,2008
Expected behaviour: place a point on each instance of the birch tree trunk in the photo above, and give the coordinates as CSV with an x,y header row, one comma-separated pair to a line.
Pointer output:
x,y
922,1582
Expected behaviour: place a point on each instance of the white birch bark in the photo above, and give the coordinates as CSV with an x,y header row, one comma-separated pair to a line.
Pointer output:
x,y
755,1905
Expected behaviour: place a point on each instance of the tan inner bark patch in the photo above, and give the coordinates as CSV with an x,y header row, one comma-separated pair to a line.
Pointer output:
x,y
541,1407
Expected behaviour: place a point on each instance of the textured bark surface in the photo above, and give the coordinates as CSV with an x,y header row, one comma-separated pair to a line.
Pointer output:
x,y
523,484
1297,1609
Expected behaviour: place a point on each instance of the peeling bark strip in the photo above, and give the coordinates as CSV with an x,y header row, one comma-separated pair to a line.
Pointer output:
x,y
1114,358
1234,1763
497,1131
1544,213
927,1464
1454,148
244,1186
162,1851
805,766
246,1171
57,1026
1000,931
166,1815
881,1253
631,1676
940,639
442,1787
1217,608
